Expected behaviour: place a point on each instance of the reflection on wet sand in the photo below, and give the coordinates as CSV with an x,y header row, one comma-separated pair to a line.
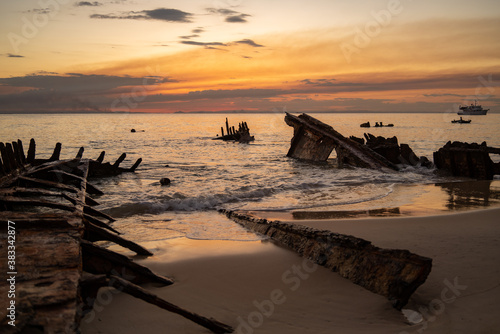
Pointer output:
x,y
454,196
471,194
346,214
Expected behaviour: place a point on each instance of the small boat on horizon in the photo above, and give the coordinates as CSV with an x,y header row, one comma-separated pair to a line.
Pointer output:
x,y
461,121
473,109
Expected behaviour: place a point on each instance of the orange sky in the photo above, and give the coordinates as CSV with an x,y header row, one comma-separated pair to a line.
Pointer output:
x,y
249,55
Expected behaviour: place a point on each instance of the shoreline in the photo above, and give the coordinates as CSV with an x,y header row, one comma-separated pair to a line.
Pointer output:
x,y
259,287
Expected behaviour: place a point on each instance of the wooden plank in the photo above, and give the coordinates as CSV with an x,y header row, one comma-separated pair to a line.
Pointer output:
x,y
17,154
99,223
98,260
48,184
89,187
11,156
8,166
134,167
119,160
79,155
96,233
31,152
93,212
36,202
21,151
2,170
48,273
100,159
95,281
57,152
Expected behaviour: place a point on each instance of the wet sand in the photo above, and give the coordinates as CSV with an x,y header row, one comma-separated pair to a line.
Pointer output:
x,y
258,287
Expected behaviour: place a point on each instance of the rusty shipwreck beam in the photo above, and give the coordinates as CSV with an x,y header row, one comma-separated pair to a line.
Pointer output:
x,y
314,140
392,273
92,283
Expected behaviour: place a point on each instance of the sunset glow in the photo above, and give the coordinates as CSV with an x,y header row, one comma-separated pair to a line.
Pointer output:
x,y
226,55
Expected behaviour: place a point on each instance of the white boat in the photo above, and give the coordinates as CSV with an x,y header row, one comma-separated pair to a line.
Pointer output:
x,y
473,109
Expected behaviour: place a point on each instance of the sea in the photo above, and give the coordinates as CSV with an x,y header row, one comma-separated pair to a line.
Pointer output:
x,y
207,175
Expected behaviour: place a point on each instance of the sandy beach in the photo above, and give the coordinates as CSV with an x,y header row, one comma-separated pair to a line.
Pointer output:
x,y
259,287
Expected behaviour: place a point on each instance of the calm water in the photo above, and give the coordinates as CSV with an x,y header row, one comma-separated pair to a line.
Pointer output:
x,y
207,175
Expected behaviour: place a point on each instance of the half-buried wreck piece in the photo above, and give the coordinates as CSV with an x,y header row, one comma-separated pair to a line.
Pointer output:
x,y
392,273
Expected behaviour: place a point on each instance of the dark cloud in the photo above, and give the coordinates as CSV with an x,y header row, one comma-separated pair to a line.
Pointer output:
x,y
219,94
321,82
70,92
203,43
440,95
231,15
207,45
88,4
161,14
44,100
76,82
168,14
237,18
10,55
38,11
249,42
222,11
198,30
189,36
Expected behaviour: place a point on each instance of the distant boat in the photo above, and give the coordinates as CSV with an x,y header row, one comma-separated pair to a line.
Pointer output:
x,y
461,121
473,109
377,124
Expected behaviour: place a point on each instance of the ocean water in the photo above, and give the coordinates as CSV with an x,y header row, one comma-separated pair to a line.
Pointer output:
x,y
207,174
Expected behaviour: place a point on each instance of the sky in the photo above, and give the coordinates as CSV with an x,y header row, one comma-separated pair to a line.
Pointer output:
x,y
250,55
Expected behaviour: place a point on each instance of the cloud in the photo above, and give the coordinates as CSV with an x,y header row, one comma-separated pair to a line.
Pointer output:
x,y
249,42
208,45
321,82
161,14
38,11
80,83
189,36
237,18
211,94
231,15
10,55
198,30
44,100
222,11
88,4
440,95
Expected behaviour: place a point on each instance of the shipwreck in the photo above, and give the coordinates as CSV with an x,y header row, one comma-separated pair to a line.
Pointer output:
x,y
242,135
314,140
48,244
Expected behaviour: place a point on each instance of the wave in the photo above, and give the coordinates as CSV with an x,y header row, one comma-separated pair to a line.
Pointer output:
x,y
181,202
